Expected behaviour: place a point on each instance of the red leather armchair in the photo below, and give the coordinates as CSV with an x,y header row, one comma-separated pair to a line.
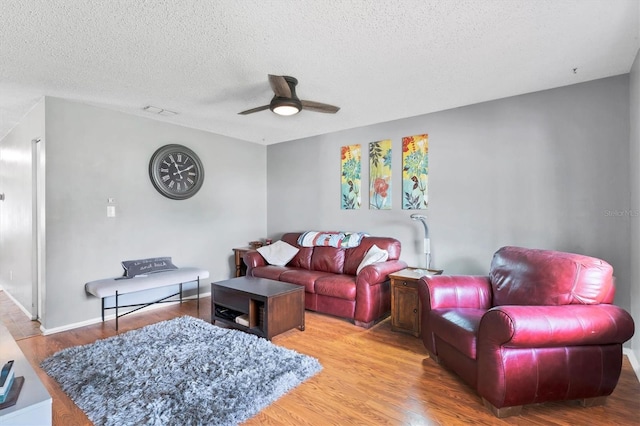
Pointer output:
x,y
540,327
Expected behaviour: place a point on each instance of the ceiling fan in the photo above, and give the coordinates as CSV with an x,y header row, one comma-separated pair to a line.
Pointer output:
x,y
286,102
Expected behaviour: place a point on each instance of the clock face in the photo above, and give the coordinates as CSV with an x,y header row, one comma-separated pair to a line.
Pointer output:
x,y
176,172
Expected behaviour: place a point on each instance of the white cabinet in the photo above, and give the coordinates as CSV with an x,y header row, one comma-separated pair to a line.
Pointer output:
x,y
34,402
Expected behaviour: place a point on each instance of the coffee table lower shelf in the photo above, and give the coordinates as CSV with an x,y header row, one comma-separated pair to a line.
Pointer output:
x,y
232,324
271,307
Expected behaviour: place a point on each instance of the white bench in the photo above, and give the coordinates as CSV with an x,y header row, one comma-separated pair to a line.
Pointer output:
x,y
115,287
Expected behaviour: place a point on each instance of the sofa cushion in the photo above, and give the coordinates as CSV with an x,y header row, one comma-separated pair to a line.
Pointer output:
x,y
271,272
374,255
340,286
353,256
302,277
327,259
278,253
521,276
303,258
457,327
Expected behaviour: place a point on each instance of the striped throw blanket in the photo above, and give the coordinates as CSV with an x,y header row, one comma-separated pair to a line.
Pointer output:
x,y
331,239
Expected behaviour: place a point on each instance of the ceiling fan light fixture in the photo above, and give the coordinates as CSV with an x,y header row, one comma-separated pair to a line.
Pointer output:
x,y
285,102
283,106
286,110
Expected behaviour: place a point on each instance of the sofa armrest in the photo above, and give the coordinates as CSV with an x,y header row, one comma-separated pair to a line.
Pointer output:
x,y
373,294
379,272
553,326
253,259
456,291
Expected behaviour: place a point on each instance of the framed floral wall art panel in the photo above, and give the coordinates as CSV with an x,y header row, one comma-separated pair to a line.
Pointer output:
x,y
415,172
380,175
350,179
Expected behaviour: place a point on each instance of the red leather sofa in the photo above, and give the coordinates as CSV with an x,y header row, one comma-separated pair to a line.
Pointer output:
x,y
540,327
329,277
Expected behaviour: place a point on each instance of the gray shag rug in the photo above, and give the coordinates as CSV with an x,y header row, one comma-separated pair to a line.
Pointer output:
x,y
184,371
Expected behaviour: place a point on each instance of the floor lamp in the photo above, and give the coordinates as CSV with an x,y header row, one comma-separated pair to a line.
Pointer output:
x,y
427,242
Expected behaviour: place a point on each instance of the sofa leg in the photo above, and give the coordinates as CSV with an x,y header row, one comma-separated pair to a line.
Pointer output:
x,y
429,359
593,402
364,324
433,357
504,411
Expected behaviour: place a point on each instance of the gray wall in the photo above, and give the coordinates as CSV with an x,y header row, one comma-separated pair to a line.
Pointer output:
x,y
546,170
94,154
17,237
635,201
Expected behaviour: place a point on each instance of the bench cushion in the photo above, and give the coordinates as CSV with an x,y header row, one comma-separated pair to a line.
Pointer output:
x,y
108,287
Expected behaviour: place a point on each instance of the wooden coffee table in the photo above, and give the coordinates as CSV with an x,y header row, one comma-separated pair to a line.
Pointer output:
x,y
271,307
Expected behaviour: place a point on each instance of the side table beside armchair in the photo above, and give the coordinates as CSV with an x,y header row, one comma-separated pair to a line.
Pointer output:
x,y
406,310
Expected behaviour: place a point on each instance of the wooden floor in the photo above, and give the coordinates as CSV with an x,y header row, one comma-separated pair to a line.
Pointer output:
x,y
16,321
369,377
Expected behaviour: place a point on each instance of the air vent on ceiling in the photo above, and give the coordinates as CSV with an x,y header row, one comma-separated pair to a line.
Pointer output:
x,y
159,111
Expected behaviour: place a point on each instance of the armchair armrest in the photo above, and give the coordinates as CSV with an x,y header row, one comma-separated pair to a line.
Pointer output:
x,y
253,259
450,291
553,326
456,291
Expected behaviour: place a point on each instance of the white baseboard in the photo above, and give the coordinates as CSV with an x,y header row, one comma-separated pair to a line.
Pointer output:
x,y
47,331
633,360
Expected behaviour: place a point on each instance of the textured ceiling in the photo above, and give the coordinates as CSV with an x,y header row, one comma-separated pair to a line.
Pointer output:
x,y
378,60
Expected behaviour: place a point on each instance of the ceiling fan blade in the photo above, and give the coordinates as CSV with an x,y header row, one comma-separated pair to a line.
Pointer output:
x,y
279,86
319,107
252,110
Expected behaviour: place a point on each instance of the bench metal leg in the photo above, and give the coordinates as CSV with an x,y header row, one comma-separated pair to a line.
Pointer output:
x,y
144,305
117,310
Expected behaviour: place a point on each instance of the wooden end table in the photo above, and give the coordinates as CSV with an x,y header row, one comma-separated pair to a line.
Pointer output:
x,y
241,268
272,307
406,310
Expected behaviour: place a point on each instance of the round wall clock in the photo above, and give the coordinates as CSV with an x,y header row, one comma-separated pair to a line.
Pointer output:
x,y
176,171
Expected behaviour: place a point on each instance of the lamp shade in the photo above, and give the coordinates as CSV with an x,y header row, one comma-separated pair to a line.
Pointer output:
x,y
285,106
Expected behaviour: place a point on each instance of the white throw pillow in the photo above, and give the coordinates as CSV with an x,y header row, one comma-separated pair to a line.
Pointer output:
x,y
374,255
278,253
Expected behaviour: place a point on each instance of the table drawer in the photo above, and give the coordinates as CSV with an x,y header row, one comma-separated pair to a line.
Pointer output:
x,y
406,283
